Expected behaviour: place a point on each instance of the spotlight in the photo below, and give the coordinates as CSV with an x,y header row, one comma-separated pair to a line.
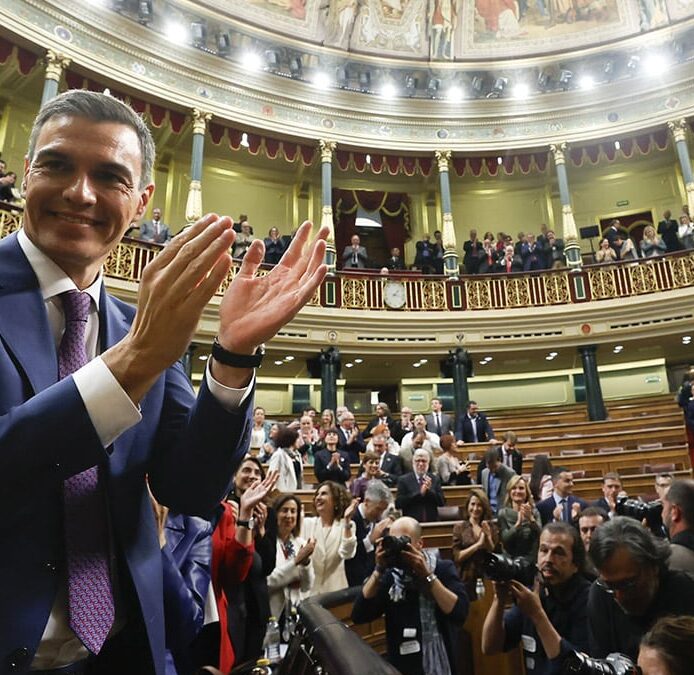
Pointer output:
x,y
433,87
410,85
455,94
388,91
565,77
586,82
521,91
498,87
368,161
655,64
223,44
296,67
341,77
365,80
198,32
252,60
477,84
176,32
144,11
321,80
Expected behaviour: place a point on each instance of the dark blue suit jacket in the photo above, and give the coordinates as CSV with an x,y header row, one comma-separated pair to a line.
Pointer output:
x,y
363,563
189,449
463,429
546,507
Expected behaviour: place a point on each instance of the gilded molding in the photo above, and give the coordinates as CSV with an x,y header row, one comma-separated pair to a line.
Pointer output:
x,y
558,151
194,201
443,157
56,63
326,220
448,233
689,187
327,149
200,120
678,129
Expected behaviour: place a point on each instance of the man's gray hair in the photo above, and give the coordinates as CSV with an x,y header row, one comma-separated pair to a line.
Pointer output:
x,y
681,493
623,532
97,108
377,491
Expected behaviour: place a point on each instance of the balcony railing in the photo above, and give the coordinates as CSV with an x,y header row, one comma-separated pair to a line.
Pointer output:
x,y
364,290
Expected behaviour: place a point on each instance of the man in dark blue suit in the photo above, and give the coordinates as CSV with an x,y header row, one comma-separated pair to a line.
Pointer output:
x,y
562,505
473,426
93,398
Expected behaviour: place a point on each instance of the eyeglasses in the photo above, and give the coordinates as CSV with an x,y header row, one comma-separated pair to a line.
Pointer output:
x,y
619,586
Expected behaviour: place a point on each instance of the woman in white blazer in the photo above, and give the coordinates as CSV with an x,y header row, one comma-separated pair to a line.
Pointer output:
x,y
286,460
293,576
334,534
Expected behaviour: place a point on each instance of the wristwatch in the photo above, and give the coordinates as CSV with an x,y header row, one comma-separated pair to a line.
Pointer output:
x,y
237,360
431,578
249,524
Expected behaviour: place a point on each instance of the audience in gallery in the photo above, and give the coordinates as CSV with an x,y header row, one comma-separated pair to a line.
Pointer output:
x,y
588,521
389,461
331,463
419,492
541,478
519,520
450,469
286,460
9,193
382,430
369,470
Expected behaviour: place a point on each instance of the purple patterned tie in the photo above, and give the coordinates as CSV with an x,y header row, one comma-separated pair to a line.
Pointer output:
x,y
86,536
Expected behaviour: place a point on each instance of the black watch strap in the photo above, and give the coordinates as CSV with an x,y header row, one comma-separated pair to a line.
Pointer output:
x,y
237,360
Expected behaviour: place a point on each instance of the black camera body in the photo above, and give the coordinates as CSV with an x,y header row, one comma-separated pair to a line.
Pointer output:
x,y
578,663
502,567
651,512
393,547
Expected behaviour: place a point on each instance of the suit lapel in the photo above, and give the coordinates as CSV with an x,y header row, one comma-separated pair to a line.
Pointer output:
x,y
23,318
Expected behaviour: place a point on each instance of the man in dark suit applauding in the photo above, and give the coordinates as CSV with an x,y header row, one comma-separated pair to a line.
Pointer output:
x,y
419,492
349,438
155,230
473,426
495,478
562,505
354,256
611,487
390,466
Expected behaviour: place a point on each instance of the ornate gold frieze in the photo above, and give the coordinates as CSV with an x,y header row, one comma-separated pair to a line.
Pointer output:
x,y
434,295
56,63
682,270
678,128
200,120
354,294
478,293
556,288
194,201
602,283
9,222
443,157
327,149
558,151
448,233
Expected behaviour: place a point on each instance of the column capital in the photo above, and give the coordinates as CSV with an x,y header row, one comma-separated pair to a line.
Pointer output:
x,y
56,63
442,159
327,148
678,129
200,120
558,151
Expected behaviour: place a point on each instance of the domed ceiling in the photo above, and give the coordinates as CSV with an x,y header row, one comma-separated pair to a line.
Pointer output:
x,y
455,29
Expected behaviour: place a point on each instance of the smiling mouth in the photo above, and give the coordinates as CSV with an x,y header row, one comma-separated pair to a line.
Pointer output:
x,y
76,218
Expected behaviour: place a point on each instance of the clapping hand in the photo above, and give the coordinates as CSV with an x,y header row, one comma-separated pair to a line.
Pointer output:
x,y
426,484
256,493
303,556
349,511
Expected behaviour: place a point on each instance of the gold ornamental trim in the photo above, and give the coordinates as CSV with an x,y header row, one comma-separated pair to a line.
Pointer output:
x,y
327,149
200,120
326,220
56,63
448,233
558,151
194,201
678,129
443,157
689,187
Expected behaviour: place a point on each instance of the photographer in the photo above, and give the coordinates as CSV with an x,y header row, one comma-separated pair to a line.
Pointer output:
x,y
678,518
634,587
551,620
422,599
668,647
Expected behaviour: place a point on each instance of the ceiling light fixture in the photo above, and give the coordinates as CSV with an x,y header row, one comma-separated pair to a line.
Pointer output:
x,y
586,82
321,79
521,91
253,61
388,91
176,32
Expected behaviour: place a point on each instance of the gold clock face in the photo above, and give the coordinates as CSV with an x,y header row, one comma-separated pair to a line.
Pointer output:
x,y
394,295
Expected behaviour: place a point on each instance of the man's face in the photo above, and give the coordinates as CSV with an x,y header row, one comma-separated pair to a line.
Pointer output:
x,y
555,558
420,461
586,526
667,215
373,510
379,446
634,585
379,411
420,422
348,421
473,409
436,405
493,465
668,508
565,484
405,415
355,240
82,192
3,166
156,214
611,487
662,485
395,252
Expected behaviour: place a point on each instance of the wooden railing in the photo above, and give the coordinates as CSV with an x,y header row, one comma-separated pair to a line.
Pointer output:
x,y
364,290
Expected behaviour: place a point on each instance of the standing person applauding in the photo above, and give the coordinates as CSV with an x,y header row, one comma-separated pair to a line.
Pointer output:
x,y
519,521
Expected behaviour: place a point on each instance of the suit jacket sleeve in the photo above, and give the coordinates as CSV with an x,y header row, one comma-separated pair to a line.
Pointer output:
x,y
408,489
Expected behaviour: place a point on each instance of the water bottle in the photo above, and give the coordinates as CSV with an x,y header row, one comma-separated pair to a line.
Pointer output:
x,y
479,588
262,667
271,644
291,618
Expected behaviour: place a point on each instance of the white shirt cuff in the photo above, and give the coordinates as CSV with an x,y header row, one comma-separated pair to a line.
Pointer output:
x,y
229,398
368,546
108,406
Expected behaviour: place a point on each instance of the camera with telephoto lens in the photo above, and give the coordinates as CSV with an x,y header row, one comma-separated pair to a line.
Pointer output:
x,y
393,547
501,567
578,663
651,512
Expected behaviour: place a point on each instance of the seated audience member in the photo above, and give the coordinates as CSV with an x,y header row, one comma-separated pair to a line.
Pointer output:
x,y
293,576
389,465
562,504
331,463
487,257
382,417
553,251
155,230
349,438
424,255
472,248
495,479
678,518
548,623
334,532
260,433
473,537
625,247
438,421
634,587
509,262
368,472
668,646
422,599
232,560
371,522
451,470
473,426
243,241
541,478
354,256
274,247
519,521
685,233
432,442
611,487
286,460
652,244
605,254
508,455
667,229
395,261
270,445
419,492
589,520
402,426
